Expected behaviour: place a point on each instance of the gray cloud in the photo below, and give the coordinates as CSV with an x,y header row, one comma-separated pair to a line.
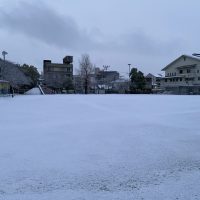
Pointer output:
x,y
53,34
139,43
43,23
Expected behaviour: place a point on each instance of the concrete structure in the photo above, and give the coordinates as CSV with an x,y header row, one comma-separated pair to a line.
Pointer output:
x,y
104,80
106,77
58,75
182,76
120,86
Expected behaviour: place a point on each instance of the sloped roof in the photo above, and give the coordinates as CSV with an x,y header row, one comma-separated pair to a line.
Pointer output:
x,y
149,75
12,73
188,56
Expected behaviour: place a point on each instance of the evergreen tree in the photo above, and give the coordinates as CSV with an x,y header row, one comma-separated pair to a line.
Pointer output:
x,y
137,80
32,72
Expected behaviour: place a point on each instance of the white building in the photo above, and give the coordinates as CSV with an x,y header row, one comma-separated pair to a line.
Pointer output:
x,y
182,76
156,80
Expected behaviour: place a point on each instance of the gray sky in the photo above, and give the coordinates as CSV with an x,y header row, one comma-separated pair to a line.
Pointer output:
x,y
146,33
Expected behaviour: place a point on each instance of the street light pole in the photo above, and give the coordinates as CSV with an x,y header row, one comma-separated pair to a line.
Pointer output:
x,y
129,65
129,68
4,53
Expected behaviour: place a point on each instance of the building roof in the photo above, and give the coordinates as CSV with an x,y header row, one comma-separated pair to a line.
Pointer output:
x,y
12,73
150,75
188,56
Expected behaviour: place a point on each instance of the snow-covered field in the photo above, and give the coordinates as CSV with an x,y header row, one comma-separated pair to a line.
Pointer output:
x,y
121,147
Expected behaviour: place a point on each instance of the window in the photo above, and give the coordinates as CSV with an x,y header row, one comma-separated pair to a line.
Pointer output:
x,y
198,78
189,79
198,71
181,71
165,80
181,79
188,71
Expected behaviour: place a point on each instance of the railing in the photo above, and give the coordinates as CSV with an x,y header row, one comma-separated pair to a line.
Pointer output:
x,y
41,90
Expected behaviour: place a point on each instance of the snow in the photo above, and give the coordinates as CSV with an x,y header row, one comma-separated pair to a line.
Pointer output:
x,y
34,91
101,147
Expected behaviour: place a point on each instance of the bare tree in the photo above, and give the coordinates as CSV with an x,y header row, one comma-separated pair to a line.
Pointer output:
x,y
86,68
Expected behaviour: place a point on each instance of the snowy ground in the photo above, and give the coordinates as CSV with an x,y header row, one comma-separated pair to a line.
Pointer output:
x,y
100,147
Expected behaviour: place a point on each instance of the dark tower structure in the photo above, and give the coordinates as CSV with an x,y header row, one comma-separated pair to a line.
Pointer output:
x,y
58,75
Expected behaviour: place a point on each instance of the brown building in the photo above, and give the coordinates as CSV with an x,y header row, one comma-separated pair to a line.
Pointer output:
x,y
58,75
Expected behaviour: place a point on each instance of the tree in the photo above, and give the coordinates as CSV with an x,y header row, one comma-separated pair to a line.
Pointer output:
x,y
32,72
68,84
86,68
137,80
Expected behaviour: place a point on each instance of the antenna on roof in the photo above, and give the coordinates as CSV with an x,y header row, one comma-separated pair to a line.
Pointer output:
x,y
4,53
105,67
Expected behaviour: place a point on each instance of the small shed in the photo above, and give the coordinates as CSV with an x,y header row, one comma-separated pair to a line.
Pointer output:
x,y
4,87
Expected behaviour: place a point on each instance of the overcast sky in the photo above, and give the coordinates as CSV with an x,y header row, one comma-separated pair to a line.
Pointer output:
x,y
146,33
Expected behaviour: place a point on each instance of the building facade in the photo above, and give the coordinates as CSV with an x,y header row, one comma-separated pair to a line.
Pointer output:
x,y
106,77
99,81
182,76
58,75
155,82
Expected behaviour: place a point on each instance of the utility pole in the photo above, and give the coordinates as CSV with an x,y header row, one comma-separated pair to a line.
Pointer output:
x,y
105,69
129,65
